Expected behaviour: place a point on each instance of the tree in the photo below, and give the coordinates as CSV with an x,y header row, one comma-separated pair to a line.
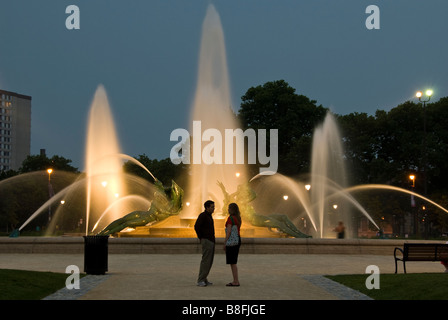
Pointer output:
x,y
5,174
42,162
275,105
437,144
386,147
8,210
28,188
360,144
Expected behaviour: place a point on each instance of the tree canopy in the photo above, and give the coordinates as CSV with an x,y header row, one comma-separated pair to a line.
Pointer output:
x,y
42,162
276,105
384,148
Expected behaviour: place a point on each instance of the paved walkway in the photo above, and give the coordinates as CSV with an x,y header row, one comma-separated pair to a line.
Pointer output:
x,y
173,277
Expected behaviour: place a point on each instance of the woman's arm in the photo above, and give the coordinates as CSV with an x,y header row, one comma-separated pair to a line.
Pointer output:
x,y
228,231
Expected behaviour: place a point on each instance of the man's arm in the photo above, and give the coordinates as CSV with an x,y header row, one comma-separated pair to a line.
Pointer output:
x,y
198,226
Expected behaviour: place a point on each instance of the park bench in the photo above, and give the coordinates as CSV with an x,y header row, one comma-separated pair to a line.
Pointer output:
x,y
421,252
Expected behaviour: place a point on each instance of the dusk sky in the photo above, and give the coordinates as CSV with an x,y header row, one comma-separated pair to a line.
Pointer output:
x,y
145,53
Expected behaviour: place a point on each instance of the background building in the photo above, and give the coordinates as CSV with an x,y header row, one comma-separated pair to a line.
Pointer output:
x,y
15,129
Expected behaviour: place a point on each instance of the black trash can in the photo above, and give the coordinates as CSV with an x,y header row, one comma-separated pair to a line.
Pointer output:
x,y
96,254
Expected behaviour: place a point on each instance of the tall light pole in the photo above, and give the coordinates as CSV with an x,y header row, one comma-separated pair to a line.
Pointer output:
x,y
50,192
419,95
412,178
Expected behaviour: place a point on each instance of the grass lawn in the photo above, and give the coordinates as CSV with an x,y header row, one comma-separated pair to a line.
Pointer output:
x,y
411,286
35,285
29,285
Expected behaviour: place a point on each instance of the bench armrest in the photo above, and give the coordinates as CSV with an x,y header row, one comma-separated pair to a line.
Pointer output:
x,y
395,253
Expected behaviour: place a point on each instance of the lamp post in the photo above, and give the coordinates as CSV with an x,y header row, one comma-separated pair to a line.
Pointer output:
x,y
412,178
419,95
50,192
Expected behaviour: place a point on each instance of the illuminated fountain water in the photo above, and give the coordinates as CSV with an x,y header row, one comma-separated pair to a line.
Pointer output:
x,y
322,198
212,110
318,202
104,181
103,169
328,174
107,193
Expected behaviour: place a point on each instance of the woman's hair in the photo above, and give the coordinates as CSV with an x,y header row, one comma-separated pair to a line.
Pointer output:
x,y
234,210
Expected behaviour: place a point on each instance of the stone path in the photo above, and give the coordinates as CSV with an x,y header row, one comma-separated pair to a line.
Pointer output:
x,y
173,277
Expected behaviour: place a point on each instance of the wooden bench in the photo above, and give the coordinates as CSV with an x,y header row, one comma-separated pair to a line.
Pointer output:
x,y
421,252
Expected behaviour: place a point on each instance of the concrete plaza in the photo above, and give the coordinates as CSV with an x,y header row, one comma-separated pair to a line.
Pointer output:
x,y
173,276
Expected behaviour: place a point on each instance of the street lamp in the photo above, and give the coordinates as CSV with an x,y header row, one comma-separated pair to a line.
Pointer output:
x,y
50,192
419,95
49,173
428,93
412,178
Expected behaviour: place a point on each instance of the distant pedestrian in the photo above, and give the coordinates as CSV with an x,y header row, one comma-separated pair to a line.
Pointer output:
x,y
205,230
340,229
232,242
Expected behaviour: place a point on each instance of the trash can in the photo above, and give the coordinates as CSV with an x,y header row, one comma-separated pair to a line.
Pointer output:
x,y
96,254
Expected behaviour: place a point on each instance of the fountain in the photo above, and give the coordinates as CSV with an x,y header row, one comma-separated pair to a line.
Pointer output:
x,y
212,107
106,196
103,169
326,165
324,199
211,178
114,199
105,189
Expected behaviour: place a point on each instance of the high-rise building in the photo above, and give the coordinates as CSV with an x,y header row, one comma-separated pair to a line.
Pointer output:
x,y
15,129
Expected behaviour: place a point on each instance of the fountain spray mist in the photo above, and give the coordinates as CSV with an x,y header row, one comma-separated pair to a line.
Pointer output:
x,y
326,164
212,107
102,164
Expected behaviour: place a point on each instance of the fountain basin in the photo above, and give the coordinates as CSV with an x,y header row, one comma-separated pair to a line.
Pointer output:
x,y
75,245
176,227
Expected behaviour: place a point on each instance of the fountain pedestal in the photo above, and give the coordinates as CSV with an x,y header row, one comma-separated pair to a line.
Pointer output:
x,y
177,227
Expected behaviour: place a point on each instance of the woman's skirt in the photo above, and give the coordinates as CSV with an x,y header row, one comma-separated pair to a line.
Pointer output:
x,y
232,254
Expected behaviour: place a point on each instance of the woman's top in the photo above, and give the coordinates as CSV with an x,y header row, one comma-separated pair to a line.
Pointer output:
x,y
232,220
